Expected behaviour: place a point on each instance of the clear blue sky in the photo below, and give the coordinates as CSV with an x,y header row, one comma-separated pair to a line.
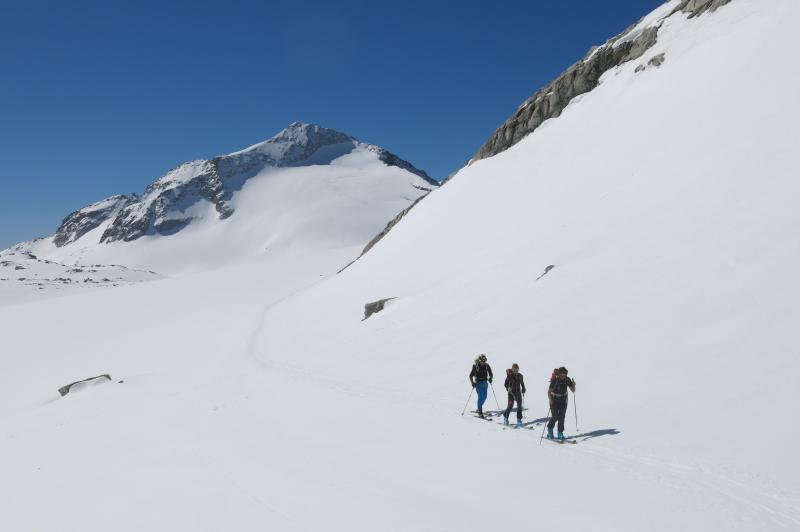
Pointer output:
x,y
100,98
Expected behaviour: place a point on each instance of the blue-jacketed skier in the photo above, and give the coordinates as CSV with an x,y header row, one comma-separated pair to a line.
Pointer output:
x,y
515,386
480,377
558,396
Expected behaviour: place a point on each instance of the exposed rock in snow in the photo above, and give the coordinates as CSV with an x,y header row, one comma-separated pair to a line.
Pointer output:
x,y
163,205
698,7
389,226
84,220
655,61
549,101
394,221
64,390
56,278
546,271
375,307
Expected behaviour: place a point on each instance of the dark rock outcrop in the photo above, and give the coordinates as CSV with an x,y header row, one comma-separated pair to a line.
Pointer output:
x,y
390,159
88,218
389,226
394,221
546,271
696,8
549,101
161,208
375,307
655,61
64,390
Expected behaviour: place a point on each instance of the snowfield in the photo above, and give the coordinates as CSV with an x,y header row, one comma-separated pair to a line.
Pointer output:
x,y
254,397
24,277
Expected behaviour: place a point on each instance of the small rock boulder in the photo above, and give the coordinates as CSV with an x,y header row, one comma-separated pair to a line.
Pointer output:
x,y
64,390
655,61
374,307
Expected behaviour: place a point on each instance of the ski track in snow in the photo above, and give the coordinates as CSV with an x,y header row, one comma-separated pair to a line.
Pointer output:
x,y
741,495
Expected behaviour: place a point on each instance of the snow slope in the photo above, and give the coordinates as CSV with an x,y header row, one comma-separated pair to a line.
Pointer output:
x,y
256,397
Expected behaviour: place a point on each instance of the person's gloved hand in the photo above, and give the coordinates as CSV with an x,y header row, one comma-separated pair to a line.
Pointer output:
x,y
490,380
473,384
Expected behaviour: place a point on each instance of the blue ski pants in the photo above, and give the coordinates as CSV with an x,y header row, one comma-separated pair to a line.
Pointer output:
x,y
483,390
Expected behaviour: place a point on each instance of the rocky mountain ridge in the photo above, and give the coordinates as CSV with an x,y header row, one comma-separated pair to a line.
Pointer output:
x,y
583,76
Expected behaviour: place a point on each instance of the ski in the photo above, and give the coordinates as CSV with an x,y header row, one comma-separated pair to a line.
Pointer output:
x,y
488,416
556,440
511,425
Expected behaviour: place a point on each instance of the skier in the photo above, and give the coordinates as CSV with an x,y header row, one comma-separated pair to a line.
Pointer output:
x,y
558,396
515,386
482,374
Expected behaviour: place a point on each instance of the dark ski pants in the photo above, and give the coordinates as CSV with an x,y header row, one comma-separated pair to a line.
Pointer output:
x,y
558,409
511,398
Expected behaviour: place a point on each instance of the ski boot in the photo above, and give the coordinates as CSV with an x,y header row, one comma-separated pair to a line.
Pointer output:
x,y
480,415
561,436
519,423
549,433
505,420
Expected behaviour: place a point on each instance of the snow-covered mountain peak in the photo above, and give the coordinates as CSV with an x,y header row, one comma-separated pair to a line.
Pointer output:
x,y
302,134
308,144
304,163
298,142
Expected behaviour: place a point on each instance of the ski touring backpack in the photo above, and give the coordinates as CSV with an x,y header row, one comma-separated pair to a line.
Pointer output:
x,y
559,383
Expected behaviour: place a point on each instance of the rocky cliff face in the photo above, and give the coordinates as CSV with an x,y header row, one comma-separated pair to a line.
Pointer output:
x,y
698,7
549,101
162,207
166,205
88,218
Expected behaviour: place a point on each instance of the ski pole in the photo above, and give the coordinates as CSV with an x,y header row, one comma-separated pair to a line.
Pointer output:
x,y
467,403
575,404
543,426
495,397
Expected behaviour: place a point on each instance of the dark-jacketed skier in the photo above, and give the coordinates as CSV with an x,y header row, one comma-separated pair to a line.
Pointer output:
x,y
515,386
480,377
558,396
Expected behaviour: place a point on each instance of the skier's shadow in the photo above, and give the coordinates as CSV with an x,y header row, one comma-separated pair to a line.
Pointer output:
x,y
501,412
595,433
530,425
